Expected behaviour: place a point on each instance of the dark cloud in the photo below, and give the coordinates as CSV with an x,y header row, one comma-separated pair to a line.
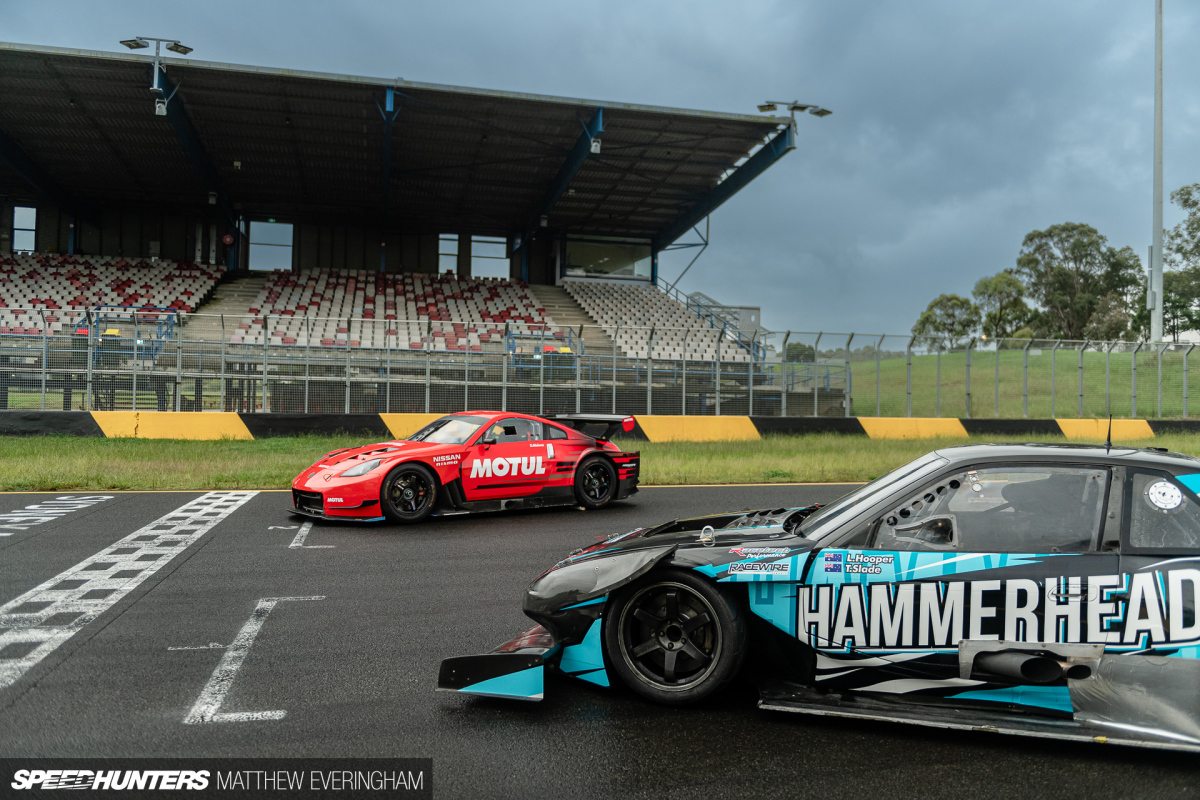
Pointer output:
x,y
958,127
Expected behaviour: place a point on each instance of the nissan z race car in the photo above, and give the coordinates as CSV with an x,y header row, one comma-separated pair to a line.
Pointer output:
x,y
474,461
1044,590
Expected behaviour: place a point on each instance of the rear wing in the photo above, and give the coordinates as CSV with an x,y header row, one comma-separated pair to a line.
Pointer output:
x,y
612,423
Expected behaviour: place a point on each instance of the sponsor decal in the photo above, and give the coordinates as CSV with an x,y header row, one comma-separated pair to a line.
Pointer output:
x,y
513,467
773,567
327,475
760,552
1125,612
334,500
832,557
453,458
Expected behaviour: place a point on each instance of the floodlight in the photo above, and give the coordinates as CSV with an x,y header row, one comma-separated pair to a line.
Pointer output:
x,y
764,107
799,106
135,44
819,112
176,47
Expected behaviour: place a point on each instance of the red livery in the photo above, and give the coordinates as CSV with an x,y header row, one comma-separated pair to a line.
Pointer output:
x,y
473,461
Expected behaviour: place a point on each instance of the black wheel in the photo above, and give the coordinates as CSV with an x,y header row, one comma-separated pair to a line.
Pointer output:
x,y
408,493
595,482
674,638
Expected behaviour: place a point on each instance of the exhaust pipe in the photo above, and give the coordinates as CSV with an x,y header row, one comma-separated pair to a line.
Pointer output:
x,y
1024,667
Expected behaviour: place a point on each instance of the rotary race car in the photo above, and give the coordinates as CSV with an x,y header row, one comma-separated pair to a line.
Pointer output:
x,y
1045,590
473,461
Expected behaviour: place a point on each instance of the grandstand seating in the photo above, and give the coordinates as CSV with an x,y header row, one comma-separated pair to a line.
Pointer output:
x,y
627,313
35,286
402,310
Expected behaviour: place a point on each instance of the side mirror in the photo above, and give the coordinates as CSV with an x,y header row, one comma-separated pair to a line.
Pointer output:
x,y
488,441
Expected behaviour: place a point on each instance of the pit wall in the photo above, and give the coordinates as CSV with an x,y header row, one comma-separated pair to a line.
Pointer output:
x,y
228,425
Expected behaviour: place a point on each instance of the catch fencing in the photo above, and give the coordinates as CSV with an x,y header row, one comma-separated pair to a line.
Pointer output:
x,y
186,362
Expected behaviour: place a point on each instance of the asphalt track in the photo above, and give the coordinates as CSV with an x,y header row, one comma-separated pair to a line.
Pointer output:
x,y
355,670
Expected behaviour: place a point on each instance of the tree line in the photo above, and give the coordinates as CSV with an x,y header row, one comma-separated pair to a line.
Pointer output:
x,y
1069,283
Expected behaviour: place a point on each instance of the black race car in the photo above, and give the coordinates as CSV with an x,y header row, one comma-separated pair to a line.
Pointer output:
x,y
1045,590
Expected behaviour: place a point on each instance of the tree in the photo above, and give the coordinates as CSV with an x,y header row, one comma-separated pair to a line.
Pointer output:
x,y
1067,269
950,318
1183,241
800,353
1181,301
1001,304
1110,321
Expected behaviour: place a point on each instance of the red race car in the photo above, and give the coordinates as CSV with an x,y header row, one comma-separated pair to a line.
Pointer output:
x,y
473,461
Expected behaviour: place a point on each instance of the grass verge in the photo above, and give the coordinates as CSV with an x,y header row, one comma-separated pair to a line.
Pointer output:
x,y
67,463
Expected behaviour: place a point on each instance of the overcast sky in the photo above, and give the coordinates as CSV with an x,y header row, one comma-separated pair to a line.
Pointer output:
x,y
957,127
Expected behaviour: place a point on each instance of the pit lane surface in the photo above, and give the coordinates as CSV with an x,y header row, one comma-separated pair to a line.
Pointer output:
x,y
353,672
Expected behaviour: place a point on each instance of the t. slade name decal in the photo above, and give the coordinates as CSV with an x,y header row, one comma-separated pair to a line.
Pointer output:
x,y
1140,610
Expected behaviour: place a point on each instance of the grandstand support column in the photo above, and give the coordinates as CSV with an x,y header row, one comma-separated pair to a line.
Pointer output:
x,y
71,235
654,267
389,111
462,264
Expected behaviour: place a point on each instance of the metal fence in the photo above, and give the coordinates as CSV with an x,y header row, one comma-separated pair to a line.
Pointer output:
x,y
65,360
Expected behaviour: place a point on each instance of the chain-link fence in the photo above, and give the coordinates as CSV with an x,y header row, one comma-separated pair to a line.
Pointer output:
x,y
126,360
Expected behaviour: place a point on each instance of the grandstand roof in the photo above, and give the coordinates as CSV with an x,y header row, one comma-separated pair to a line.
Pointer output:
x,y
310,145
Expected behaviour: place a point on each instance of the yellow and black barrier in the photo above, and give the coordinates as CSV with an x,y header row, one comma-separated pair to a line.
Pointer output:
x,y
652,428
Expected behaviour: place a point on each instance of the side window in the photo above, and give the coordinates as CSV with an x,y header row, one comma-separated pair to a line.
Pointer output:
x,y
516,430
1002,509
1162,515
554,432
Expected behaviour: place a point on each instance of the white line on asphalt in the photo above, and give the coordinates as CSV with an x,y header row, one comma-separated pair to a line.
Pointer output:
x,y
23,519
298,542
208,705
48,615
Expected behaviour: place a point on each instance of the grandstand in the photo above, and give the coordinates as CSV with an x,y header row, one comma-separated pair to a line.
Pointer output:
x,y
630,313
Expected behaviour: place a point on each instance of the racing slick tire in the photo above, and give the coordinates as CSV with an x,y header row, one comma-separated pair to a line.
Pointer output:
x,y
595,482
674,637
408,493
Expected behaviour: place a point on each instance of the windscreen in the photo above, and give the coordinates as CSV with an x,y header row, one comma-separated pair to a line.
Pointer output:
x,y
454,429
827,518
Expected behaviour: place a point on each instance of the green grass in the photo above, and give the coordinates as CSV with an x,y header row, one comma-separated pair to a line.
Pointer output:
x,y
66,463
1065,372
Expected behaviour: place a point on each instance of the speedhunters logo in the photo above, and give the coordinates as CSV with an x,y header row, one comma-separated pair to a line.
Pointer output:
x,y
118,779
234,778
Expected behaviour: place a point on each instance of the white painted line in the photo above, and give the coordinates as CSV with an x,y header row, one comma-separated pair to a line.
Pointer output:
x,y
25,518
208,705
298,542
48,615
209,646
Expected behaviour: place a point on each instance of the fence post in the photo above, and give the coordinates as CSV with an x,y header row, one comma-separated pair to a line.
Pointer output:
x,y
1025,379
908,376
939,378
847,379
578,389
542,371
387,371
753,347
45,356
783,387
222,370
683,393
1107,384
1186,353
87,397
1133,387
878,375
970,347
717,381
650,372
1162,348
307,358
179,365
1053,373
503,373
135,363
1085,346
614,367
428,356
266,341
999,342
816,388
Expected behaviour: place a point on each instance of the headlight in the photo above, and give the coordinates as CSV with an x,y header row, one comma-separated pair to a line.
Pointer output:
x,y
362,469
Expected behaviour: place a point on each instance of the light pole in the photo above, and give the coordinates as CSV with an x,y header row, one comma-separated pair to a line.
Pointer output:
x,y
793,107
1155,295
141,43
